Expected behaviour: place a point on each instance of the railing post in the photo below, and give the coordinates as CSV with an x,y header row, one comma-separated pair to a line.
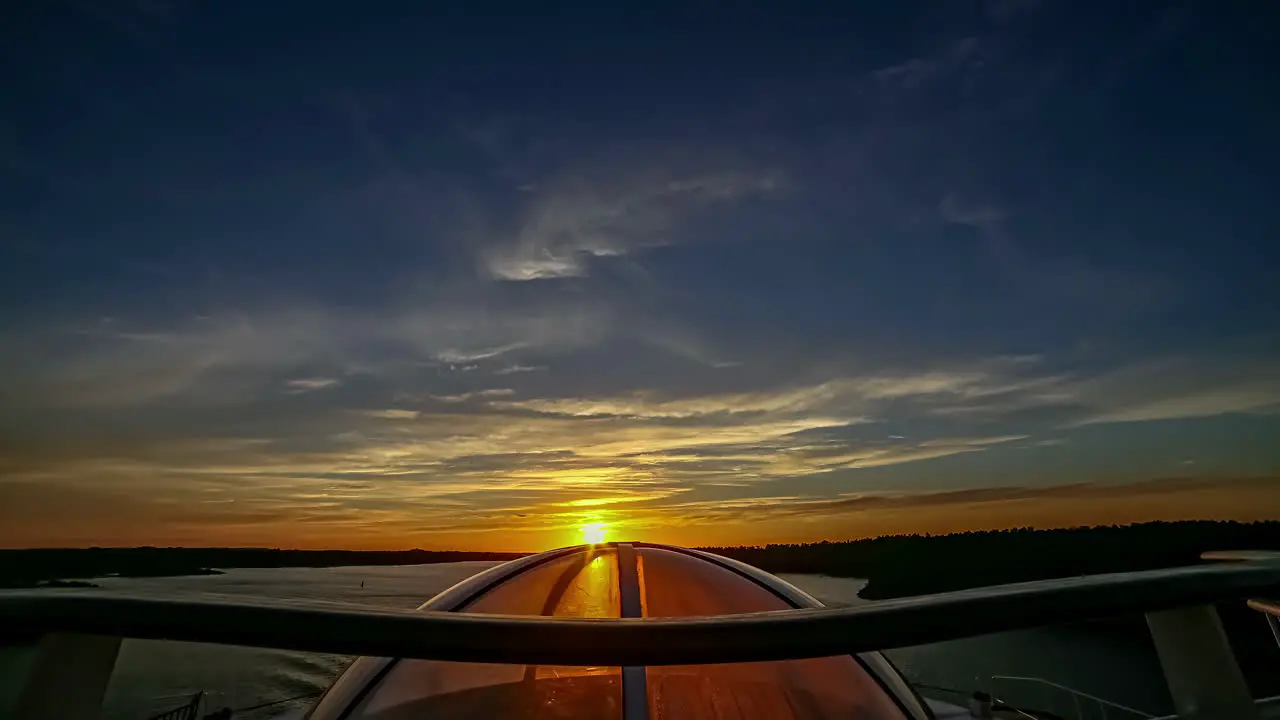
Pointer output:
x,y
1199,667
1275,627
1271,611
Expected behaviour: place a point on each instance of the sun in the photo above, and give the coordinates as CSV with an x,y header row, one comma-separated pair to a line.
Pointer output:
x,y
594,533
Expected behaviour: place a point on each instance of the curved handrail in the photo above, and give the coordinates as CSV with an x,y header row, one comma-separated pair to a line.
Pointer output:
x,y
1271,610
1073,691
1271,556
661,641
1269,607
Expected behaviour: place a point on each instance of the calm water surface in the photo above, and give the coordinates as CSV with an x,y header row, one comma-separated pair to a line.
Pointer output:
x,y
155,676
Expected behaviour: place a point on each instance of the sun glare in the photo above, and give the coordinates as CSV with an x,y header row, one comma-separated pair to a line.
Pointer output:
x,y
594,533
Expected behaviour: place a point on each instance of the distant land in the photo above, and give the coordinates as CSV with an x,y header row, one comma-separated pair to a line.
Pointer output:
x,y
902,565
53,567
894,566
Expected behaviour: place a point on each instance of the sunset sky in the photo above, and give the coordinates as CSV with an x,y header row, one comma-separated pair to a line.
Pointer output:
x,y
311,274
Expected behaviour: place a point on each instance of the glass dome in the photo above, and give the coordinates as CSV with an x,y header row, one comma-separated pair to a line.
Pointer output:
x,y
618,581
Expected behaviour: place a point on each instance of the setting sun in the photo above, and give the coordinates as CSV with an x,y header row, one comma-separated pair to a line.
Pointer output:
x,y
594,533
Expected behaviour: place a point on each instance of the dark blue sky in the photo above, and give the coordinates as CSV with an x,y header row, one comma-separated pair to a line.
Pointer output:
x,y
414,273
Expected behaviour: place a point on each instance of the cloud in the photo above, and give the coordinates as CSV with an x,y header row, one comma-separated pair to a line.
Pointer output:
x,y
563,229
915,73
392,414
536,458
478,451
1175,497
519,369
301,385
459,357
645,406
1245,398
1151,390
232,358
642,496
810,459
479,394
374,421
849,398
1180,388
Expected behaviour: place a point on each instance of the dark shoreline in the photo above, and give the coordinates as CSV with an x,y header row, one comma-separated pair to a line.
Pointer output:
x,y
907,565
904,565
39,567
894,566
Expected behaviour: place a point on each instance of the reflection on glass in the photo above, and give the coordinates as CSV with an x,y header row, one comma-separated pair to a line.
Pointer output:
x,y
581,585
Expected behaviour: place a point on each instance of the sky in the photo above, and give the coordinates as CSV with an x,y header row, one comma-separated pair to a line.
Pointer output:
x,y
394,275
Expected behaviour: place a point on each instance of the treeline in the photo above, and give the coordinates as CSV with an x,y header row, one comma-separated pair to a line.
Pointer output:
x,y
30,568
895,565
901,565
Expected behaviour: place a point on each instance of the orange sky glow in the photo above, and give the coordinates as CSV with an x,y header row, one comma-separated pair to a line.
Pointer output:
x,y
44,519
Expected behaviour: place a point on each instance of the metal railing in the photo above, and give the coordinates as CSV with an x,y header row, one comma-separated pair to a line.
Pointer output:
x,y
1271,610
778,635
969,695
187,712
75,637
1076,696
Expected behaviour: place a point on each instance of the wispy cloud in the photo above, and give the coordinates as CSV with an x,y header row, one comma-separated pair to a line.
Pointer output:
x,y
301,385
563,228
1166,389
915,73
232,358
1179,388
519,369
476,395
849,398
1257,397
988,503
391,414
543,451
453,356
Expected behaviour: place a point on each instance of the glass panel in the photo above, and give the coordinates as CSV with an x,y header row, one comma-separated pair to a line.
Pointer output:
x,y
673,584
835,687
1088,670
581,585
677,585
422,689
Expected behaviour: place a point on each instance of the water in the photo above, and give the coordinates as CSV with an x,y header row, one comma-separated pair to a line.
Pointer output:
x,y
154,676
1121,669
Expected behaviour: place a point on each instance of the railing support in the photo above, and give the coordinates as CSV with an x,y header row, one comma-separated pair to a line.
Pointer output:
x,y
1270,609
1102,703
1199,667
67,677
